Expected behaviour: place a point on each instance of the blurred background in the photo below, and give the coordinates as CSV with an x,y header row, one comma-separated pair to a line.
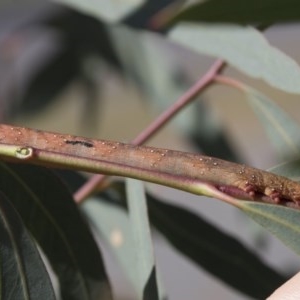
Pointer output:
x,y
64,71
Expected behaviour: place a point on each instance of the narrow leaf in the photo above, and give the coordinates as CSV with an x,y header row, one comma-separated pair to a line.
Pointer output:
x,y
283,222
241,11
207,246
23,273
49,212
282,130
203,243
290,169
214,250
142,242
114,226
110,11
244,48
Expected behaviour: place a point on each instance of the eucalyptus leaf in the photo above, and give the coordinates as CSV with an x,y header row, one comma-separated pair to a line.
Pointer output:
x,y
214,250
142,241
244,48
283,222
190,234
290,169
241,11
114,226
282,130
50,214
107,10
23,273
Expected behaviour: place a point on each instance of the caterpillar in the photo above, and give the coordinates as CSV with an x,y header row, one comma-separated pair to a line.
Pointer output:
x,y
147,163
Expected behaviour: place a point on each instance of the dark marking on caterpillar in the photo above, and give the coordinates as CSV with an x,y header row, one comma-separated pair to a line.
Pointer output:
x,y
83,143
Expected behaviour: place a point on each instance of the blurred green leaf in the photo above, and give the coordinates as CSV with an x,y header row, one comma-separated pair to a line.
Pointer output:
x,y
283,222
282,130
290,169
49,212
241,11
107,10
126,239
245,49
113,225
214,250
206,245
23,273
142,241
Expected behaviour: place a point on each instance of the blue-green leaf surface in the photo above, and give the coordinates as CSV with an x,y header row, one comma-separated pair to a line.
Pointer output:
x,y
50,214
204,244
244,48
23,273
283,222
282,130
125,233
142,241
290,169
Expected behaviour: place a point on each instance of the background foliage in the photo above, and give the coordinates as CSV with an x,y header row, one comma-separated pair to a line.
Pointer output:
x,y
55,44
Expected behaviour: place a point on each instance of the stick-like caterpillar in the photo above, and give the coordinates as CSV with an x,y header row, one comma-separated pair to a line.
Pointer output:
x,y
229,177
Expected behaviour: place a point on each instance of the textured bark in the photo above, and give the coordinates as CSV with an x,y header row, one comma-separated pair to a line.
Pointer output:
x,y
146,163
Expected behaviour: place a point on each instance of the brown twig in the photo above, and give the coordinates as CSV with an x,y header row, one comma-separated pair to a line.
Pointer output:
x,y
86,189
193,173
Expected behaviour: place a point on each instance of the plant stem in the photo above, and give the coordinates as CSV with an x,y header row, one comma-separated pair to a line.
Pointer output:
x,y
230,82
95,181
194,173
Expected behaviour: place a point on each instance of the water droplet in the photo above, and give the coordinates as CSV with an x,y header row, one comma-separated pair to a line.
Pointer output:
x,y
151,150
215,163
114,147
103,143
201,159
201,173
163,154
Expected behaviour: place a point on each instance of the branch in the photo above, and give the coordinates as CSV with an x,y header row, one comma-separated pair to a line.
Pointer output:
x,y
158,123
189,172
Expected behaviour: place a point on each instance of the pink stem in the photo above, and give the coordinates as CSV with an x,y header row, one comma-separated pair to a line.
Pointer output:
x,y
91,185
230,82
